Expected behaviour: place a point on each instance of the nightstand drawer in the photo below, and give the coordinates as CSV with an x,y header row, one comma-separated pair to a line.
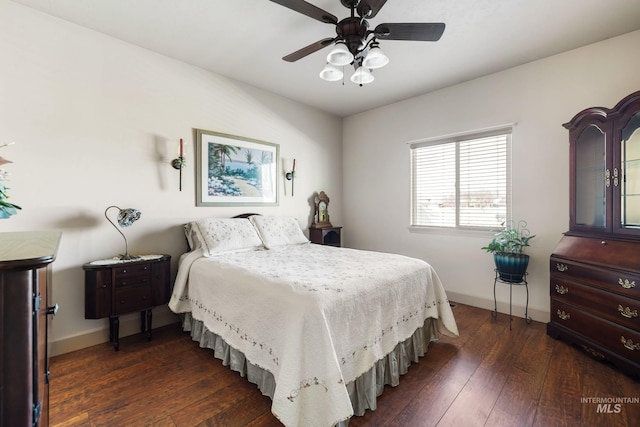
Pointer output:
x,y
133,275
616,308
131,299
617,281
621,340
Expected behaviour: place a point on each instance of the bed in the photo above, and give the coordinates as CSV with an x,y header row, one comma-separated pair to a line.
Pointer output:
x,y
319,329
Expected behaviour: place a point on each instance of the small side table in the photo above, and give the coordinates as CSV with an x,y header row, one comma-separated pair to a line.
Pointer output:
x,y
326,236
114,287
511,284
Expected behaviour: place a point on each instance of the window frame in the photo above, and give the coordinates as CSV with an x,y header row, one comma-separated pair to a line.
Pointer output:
x,y
456,139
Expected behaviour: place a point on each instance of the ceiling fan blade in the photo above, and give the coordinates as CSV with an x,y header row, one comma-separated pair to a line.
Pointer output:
x,y
370,8
428,32
308,9
307,50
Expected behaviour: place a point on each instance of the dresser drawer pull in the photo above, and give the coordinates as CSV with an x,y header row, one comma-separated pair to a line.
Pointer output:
x,y
563,315
562,290
627,312
628,343
562,267
626,283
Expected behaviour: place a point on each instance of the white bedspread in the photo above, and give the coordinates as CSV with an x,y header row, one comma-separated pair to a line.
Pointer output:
x,y
316,317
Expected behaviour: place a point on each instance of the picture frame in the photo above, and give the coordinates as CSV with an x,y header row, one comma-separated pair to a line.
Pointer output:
x,y
235,171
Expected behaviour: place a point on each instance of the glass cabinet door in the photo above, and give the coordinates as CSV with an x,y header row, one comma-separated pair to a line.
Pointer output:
x,y
591,179
629,175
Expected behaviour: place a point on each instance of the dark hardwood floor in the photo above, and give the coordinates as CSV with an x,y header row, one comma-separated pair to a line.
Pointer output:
x,y
489,376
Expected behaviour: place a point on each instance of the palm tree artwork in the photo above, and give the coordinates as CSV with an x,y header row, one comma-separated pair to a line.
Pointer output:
x,y
233,170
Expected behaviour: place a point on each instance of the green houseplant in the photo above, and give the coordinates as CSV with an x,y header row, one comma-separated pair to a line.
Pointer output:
x,y
508,249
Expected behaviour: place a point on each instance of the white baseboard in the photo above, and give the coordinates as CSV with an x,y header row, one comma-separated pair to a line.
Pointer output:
x,y
129,325
517,310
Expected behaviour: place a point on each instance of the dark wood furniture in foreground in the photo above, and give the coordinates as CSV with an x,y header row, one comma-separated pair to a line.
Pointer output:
x,y
326,236
478,379
113,288
25,293
595,269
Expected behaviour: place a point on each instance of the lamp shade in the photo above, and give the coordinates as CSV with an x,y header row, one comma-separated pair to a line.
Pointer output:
x,y
375,58
340,55
125,218
362,76
331,73
128,216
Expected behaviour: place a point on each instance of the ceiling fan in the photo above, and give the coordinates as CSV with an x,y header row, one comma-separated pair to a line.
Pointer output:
x,y
355,43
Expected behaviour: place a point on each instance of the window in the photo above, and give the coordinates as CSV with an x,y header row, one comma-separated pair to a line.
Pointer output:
x,y
463,181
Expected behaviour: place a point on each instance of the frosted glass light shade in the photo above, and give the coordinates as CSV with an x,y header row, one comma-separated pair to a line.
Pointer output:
x,y
375,58
331,73
362,76
340,55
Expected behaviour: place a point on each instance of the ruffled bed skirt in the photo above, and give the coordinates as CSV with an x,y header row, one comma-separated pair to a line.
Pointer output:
x,y
363,391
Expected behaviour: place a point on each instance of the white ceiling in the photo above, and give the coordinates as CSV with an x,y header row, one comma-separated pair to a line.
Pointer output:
x,y
246,39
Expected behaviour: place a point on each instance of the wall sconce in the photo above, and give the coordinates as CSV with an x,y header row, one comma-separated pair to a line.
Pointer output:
x,y
180,162
291,175
126,217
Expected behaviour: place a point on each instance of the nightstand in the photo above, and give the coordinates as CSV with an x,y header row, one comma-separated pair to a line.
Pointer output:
x,y
114,287
325,236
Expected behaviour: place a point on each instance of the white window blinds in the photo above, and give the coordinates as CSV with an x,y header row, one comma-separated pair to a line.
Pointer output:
x,y
462,182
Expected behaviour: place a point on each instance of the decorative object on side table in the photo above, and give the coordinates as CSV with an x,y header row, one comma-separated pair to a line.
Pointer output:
x,y
508,248
321,211
126,217
114,287
6,209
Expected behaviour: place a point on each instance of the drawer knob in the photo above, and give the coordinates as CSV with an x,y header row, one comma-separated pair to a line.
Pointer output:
x,y
562,267
627,312
629,344
604,242
626,283
52,310
563,315
562,290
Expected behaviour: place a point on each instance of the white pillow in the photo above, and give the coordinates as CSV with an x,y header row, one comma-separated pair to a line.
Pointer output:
x,y
278,230
220,235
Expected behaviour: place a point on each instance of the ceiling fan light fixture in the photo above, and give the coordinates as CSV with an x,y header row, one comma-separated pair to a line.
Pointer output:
x,y
331,73
362,76
340,55
375,58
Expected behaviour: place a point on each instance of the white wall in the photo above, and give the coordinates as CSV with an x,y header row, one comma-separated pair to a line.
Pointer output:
x,y
96,122
539,97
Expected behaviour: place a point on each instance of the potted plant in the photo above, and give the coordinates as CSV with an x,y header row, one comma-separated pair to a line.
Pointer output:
x,y
508,247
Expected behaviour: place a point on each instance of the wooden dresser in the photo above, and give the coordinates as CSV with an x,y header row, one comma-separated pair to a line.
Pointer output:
x,y
595,269
25,292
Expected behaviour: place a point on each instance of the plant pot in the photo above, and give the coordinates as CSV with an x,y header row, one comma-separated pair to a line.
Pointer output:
x,y
511,267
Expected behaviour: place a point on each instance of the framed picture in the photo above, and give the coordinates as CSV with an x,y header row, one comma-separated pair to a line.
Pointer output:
x,y
235,171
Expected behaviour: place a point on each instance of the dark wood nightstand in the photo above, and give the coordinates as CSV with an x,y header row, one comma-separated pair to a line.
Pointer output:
x,y
114,287
326,236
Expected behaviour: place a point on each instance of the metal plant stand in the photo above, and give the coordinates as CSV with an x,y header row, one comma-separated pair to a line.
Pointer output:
x,y
495,302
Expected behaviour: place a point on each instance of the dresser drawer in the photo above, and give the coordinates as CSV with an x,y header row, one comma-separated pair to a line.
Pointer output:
x,y
618,281
615,308
133,275
131,299
618,339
